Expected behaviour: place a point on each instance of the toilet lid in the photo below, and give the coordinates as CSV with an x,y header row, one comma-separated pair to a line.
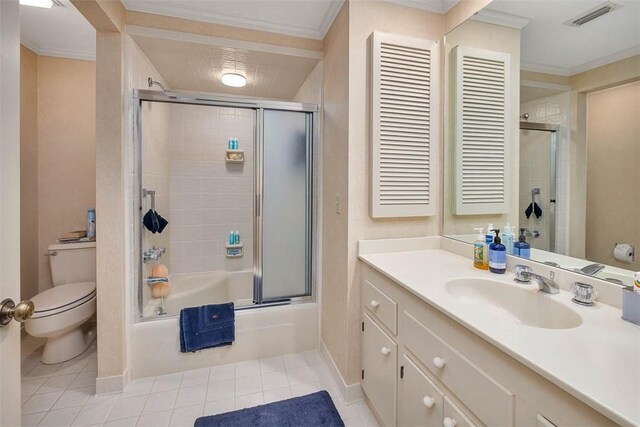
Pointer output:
x,y
62,298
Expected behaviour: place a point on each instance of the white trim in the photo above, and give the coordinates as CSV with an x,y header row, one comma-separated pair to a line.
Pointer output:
x,y
330,16
112,384
544,85
605,60
135,30
436,6
159,8
350,393
547,69
501,18
58,53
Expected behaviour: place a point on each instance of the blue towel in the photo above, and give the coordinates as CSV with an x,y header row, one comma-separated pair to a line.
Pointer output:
x,y
207,326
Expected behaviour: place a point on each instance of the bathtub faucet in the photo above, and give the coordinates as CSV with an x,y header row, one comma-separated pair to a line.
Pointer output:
x,y
153,280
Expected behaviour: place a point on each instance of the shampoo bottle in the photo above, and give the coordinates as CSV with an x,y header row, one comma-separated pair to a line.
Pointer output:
x,y
521,248
497,255
507,238
480,249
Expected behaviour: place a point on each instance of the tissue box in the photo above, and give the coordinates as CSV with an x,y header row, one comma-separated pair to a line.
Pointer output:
x,y
631,305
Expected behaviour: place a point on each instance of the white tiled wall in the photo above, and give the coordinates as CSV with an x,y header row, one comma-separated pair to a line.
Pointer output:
x,y
210,197
555,109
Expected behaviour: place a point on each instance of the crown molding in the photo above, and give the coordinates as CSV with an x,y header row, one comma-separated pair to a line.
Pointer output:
x,y
158,8
330,16
58,53
436,6
501,18
605,60
547,69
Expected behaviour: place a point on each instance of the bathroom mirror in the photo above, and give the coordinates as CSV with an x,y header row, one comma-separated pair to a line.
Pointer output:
x,y
569,166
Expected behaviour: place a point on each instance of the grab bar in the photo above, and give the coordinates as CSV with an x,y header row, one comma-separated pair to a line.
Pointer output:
x,y
152,194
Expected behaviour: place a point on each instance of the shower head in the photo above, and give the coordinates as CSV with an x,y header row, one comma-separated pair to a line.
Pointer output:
x,y
152,82
524,116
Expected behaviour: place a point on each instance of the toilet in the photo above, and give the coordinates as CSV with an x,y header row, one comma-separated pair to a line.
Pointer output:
x,y
61,311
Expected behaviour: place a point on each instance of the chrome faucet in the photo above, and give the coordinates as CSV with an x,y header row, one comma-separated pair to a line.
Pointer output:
x,y
591,269
524,274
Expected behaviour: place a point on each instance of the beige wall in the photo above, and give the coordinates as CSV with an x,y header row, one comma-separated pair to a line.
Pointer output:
x,y
617,73
497,38
57,157
29,253
335,189
66,151
613,175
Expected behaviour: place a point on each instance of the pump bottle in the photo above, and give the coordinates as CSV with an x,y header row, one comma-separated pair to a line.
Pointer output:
x,y
480,251
497,255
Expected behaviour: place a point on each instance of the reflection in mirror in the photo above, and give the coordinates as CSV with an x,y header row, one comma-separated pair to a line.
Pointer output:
x,y
569,138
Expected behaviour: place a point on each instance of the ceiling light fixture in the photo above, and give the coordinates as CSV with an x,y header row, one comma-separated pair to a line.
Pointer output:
x,y
234,80
47,4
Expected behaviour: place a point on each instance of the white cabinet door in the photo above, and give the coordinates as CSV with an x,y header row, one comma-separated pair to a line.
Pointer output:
x,y
379,362
454,417
420,403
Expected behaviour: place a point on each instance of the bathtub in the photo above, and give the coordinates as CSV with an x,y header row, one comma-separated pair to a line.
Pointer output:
x,y
194,289
261,331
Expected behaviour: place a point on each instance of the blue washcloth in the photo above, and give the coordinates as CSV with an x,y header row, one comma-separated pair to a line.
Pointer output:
x,y
207,326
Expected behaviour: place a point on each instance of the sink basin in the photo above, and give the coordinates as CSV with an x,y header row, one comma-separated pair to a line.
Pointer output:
x,y
525,305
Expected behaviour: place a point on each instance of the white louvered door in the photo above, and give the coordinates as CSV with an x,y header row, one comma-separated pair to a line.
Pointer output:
x,y
481,131
404,127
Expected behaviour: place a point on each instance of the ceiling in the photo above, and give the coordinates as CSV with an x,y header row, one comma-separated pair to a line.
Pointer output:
x,y
198,67
59,31
550,46
63,31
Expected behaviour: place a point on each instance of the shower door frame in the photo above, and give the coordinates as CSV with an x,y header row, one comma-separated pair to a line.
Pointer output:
x,y
258,107
553,197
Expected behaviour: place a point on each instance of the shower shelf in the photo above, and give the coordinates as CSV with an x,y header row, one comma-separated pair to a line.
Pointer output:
x,y
234,251
234,156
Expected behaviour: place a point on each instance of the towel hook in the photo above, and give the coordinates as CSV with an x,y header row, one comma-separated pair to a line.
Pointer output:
x,y
152,194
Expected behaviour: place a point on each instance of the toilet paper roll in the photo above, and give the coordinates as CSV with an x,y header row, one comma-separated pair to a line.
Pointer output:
x,y
623,252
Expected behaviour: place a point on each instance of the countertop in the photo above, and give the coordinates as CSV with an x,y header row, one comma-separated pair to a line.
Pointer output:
x,y
598,362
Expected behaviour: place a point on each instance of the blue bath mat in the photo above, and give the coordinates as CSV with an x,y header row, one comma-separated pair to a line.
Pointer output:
x,y
315,409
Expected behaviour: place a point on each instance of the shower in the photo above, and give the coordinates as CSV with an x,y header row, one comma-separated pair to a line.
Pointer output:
x,y
233,179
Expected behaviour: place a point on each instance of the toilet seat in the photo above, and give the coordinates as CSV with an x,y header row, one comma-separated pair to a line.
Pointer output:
x,y
62,298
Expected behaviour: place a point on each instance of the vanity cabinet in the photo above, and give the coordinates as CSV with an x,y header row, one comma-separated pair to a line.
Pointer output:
x,y
422,368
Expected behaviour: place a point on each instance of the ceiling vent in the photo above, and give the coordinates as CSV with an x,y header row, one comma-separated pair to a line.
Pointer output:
x,y
592,14
57,3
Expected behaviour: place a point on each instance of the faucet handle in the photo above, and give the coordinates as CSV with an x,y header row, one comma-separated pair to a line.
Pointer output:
x,y
522,273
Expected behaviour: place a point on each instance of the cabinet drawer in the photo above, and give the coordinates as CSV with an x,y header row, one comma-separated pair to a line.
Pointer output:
x,y
379,362
454,417
489,401
420,401
380,306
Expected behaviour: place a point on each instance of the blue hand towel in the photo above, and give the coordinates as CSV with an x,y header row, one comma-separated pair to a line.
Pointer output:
x,y
207,326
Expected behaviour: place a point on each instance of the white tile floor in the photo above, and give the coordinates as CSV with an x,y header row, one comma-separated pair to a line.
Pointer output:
x,y
63,395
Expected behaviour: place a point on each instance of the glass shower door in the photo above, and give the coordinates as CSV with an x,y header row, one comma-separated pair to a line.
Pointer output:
x,y
285,219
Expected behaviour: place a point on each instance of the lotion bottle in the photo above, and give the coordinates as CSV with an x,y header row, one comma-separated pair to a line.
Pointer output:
x,y
508,238
497,255
480,251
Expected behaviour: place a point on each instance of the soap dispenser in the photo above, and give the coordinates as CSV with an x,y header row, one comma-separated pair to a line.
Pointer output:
x,y
480,251
497,255
508,238
521,248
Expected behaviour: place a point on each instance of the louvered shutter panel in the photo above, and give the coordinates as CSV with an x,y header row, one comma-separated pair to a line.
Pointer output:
x,y
482,101
404,86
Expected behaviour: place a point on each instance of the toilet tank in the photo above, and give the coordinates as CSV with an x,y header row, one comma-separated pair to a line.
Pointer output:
x,y
72,263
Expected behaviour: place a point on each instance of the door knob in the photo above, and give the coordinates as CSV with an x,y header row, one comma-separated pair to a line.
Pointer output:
x,y
374,303
439,362
449,422
385,351
428,401
9,310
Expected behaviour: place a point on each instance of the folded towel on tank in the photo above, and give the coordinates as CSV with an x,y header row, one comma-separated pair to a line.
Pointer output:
x,y
207,326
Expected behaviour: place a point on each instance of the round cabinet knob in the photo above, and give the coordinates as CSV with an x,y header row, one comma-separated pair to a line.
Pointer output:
x,y
449,422
439,362
385,351
428,401
374,303
9,310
